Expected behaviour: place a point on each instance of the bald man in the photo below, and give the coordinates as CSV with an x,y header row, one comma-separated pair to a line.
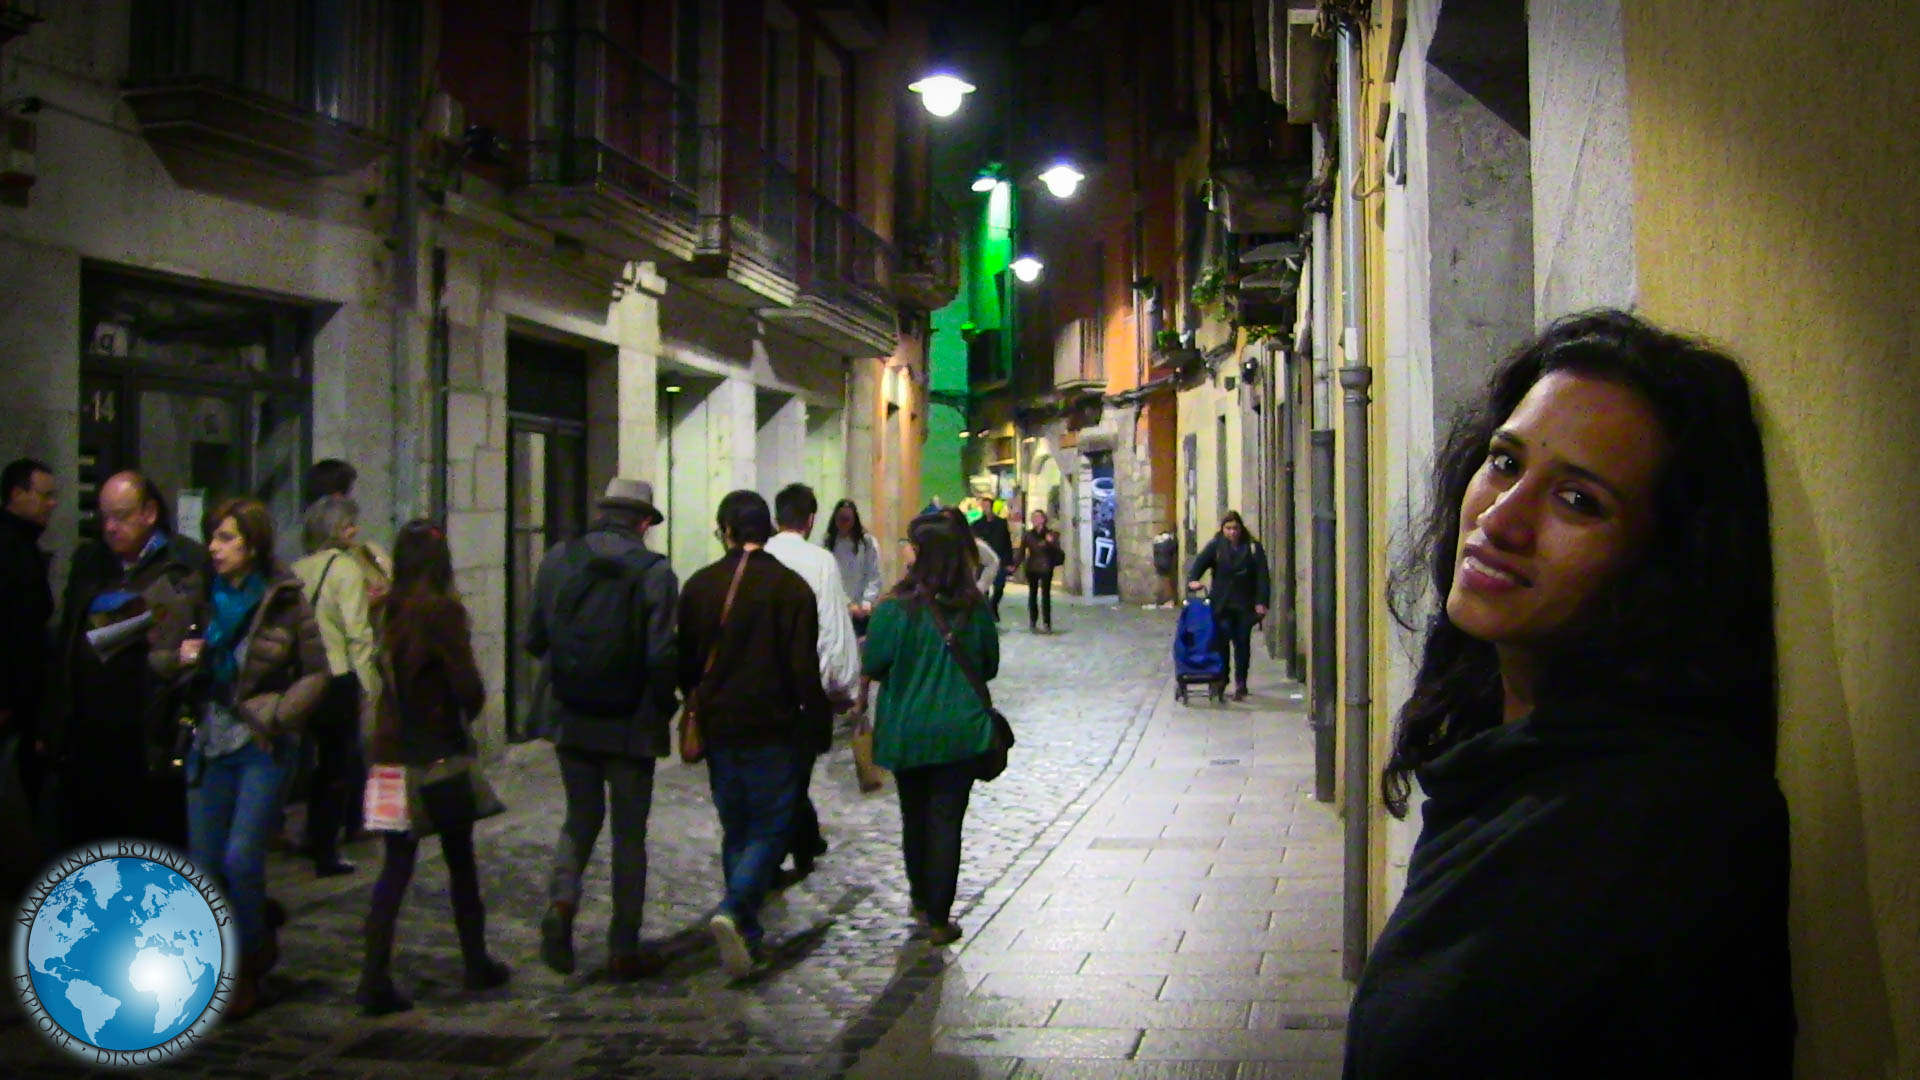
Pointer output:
x,y
112,724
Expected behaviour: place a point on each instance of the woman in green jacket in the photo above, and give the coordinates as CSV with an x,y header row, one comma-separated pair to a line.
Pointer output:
x,y
932,726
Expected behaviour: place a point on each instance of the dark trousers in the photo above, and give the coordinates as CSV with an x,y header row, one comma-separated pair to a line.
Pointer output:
x,y
339,774
755,788
1040,599
1000,588
588,779
933,804
396,873
806,843
1233,631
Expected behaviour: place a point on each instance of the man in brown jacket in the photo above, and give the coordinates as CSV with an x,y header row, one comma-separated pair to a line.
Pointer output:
x,y
751,673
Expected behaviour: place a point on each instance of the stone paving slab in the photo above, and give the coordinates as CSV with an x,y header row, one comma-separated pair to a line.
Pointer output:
x,y
1187,928
848,969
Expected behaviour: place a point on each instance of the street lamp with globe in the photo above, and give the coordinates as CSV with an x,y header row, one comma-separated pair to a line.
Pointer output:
x,y
942,93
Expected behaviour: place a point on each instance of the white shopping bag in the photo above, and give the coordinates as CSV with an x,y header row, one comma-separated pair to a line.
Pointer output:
x,y
385,807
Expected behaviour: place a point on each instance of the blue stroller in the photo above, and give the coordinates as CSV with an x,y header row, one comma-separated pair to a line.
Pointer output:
x,y
1196,657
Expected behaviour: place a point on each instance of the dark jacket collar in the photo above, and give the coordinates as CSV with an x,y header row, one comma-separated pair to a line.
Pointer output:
x,y
28,531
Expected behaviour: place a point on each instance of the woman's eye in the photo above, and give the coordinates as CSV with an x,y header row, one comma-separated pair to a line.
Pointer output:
x,y
1502,462
1581,503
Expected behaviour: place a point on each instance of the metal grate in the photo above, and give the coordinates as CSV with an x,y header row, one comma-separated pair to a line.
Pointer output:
x,y
396,1044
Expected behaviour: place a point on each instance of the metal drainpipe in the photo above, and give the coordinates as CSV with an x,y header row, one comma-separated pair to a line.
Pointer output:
x,y
404,83
1322,619
1285,382
1355,379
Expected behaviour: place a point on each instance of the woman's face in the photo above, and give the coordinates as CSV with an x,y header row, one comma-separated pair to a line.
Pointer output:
x,y
1562,504
229,551
1039,519
843,519
1232,531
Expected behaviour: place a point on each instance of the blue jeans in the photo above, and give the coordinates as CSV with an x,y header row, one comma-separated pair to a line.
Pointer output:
x,y
233,805
755,789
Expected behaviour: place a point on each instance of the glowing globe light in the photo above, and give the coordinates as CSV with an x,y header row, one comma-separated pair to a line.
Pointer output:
x,y
1062,181
1026,268
985,183
942,94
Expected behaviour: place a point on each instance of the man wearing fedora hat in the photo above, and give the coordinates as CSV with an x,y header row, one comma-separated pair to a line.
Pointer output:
x,y
603,625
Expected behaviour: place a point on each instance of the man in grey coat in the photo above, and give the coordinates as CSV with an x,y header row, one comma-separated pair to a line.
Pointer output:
x,y
603,625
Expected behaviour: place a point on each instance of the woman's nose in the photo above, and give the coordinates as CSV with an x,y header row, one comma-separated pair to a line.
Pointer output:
x,y
1509,521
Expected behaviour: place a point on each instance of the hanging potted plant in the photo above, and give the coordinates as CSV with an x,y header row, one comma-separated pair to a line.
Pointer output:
x,y
1173,351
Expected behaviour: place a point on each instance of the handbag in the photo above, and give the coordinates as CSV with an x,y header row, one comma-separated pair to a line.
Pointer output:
x,y
993,760
693,745
448,793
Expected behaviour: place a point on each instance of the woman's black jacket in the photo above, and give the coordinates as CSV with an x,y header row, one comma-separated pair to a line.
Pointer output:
x,y
1595,892
1240,578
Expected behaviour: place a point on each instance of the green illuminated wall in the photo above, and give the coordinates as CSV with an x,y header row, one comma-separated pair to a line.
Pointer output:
x,y
987,248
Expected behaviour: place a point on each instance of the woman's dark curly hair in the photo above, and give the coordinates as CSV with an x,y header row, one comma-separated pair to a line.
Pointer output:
x,y
1687,628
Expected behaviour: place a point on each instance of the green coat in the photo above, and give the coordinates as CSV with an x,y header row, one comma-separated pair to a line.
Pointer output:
x,y
928,712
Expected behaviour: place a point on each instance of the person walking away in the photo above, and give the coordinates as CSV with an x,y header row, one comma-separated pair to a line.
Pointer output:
x,y
1242,589
795,509
857,554
603,628
1040,555
750,669
250,656
431,694
112,725
336,586
26,596
993,529
932,725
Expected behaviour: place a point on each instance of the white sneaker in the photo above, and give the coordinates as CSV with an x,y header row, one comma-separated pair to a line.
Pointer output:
x,y
735,957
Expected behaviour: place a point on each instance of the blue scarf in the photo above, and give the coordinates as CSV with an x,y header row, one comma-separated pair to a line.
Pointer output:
x,y
232,612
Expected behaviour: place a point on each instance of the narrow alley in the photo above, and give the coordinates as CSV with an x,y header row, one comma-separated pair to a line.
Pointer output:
x,y
1146,884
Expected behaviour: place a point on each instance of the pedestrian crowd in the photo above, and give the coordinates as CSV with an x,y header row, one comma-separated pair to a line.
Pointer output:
x,y
193,688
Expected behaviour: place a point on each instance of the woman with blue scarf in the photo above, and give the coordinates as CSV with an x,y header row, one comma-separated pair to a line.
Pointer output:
x,y
254,676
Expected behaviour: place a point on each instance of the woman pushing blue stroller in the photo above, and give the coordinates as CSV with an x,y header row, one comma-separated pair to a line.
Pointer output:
x,y
1216,630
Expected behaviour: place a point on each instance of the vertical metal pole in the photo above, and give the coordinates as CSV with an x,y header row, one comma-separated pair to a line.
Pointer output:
x,y
1289,549
1320,555
404,85
1355,379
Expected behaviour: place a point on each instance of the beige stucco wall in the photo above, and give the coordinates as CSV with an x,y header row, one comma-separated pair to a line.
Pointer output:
x,y
1777,214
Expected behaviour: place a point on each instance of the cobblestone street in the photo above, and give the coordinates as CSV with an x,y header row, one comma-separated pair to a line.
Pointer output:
x,y
845,974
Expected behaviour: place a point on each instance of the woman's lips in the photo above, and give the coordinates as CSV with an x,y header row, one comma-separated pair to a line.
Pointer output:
x,y
1484,573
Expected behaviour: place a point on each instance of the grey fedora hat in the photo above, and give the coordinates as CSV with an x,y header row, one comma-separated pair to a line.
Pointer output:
x,y
634,496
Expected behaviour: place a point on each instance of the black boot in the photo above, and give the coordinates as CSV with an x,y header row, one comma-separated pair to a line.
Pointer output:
x,y
556,937
483,971
376,994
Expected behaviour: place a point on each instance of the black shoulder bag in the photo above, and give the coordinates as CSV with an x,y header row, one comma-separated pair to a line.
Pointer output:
x,y
993,761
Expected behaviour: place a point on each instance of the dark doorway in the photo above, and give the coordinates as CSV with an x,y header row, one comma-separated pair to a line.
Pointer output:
x,y
546,489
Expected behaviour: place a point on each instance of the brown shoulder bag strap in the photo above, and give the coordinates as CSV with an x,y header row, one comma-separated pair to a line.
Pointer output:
x,y
713,651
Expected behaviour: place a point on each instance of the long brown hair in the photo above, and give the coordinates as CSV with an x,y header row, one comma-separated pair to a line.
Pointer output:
x,y
942,571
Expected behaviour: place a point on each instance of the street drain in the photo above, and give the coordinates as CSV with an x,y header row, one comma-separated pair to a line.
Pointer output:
x,y
1224,761
485,1051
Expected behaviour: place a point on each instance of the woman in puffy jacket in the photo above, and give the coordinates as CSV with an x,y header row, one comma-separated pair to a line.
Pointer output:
x,y
251,655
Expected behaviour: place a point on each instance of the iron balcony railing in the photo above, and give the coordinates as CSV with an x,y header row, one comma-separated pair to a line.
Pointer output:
x,y
847,262
751,197
328,57
603,115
